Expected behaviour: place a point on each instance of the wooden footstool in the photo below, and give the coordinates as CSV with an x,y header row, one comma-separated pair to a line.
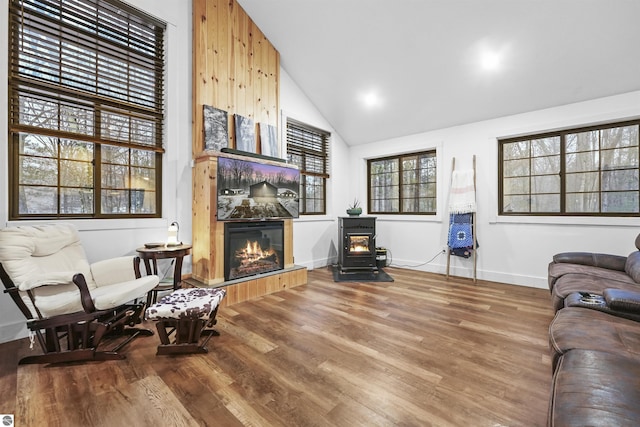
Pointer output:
x,y
184,317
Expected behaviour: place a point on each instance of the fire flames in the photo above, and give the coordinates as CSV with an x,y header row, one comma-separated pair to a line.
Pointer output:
x,y
359,244
253,253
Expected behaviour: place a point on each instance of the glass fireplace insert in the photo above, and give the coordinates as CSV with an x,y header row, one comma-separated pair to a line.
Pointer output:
x,y
252,248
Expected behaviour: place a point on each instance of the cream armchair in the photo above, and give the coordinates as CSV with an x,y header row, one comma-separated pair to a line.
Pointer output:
x,y
74,308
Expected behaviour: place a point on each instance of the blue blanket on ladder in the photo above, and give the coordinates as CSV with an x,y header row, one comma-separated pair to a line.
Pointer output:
x,y
460,239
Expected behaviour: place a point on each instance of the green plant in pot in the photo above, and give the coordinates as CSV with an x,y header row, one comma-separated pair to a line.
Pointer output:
x,y
354,209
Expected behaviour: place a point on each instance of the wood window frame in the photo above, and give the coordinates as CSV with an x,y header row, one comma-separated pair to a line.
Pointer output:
x,y
99,69
308,148
400,197
564,188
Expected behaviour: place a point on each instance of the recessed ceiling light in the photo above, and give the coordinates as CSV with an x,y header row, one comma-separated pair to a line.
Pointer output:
x,y
371,99
491,60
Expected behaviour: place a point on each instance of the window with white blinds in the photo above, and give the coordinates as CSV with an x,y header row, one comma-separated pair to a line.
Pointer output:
x,y
86,109
308,148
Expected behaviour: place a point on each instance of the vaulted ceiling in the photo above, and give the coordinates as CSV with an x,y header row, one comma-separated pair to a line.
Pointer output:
x,y
429,64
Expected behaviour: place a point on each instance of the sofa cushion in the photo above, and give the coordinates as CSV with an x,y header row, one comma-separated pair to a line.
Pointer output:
x,y
573,282
113,270
47,279
62,299
28,251
595,388
609,261
53,300
557,270
584,328
113,295
632,266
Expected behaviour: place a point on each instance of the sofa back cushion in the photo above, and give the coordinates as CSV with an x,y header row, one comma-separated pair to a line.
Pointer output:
x,y
632,266
30,254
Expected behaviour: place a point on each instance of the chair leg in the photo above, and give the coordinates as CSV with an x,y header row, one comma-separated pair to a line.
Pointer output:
x,y
81,337
151,298
70,356
182,336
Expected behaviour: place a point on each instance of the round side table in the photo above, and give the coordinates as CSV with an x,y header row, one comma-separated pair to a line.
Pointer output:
x,y
151,255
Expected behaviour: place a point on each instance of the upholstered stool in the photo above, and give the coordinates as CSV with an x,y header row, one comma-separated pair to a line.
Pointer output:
x,y
187,314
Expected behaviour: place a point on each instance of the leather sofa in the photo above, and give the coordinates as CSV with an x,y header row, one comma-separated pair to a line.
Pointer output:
x,y
594,339
595,388
571,272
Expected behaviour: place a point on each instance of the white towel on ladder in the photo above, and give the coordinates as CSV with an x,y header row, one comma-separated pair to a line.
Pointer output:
x,y
462,197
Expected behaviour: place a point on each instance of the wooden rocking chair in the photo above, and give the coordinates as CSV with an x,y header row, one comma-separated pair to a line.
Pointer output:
x,y
73,308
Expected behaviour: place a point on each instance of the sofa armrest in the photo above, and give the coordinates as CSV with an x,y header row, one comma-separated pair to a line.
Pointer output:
x,y
626,304
622,300
608,261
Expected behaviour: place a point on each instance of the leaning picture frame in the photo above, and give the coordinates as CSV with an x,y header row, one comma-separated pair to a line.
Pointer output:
x,y
216,128
269,140
245,133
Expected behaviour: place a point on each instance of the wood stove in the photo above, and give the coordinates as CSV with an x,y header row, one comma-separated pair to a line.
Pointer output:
x,y
357,236
252,248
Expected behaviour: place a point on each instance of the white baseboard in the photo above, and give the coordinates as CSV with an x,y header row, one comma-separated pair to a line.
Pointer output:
x,y
467,272
316,263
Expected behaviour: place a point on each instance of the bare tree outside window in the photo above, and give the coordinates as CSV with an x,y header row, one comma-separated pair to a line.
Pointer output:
x,y
586,171
86,110
404,184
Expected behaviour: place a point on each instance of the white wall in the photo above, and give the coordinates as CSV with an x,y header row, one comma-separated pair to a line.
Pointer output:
x,y
512,250
107,238
314,236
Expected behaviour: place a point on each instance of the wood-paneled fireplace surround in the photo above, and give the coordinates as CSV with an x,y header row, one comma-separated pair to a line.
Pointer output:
x,y
209,243
235,69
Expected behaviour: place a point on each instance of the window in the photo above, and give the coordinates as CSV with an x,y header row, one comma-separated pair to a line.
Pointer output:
x,y
308,148
404,184
86,82
585,171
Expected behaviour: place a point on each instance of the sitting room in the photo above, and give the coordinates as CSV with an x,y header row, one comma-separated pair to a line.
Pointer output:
x,y
285,213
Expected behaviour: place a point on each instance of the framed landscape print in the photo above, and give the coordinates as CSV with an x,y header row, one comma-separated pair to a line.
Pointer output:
x,y
269,140
245,134
216,128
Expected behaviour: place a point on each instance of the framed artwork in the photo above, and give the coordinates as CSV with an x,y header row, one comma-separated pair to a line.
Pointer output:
x,y
254,190
245,134
269,140
216,128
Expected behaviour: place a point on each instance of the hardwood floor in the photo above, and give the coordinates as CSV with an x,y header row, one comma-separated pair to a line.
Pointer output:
x,y
420,351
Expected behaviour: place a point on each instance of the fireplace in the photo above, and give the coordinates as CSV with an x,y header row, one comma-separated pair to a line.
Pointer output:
x,y
358,237
252,248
